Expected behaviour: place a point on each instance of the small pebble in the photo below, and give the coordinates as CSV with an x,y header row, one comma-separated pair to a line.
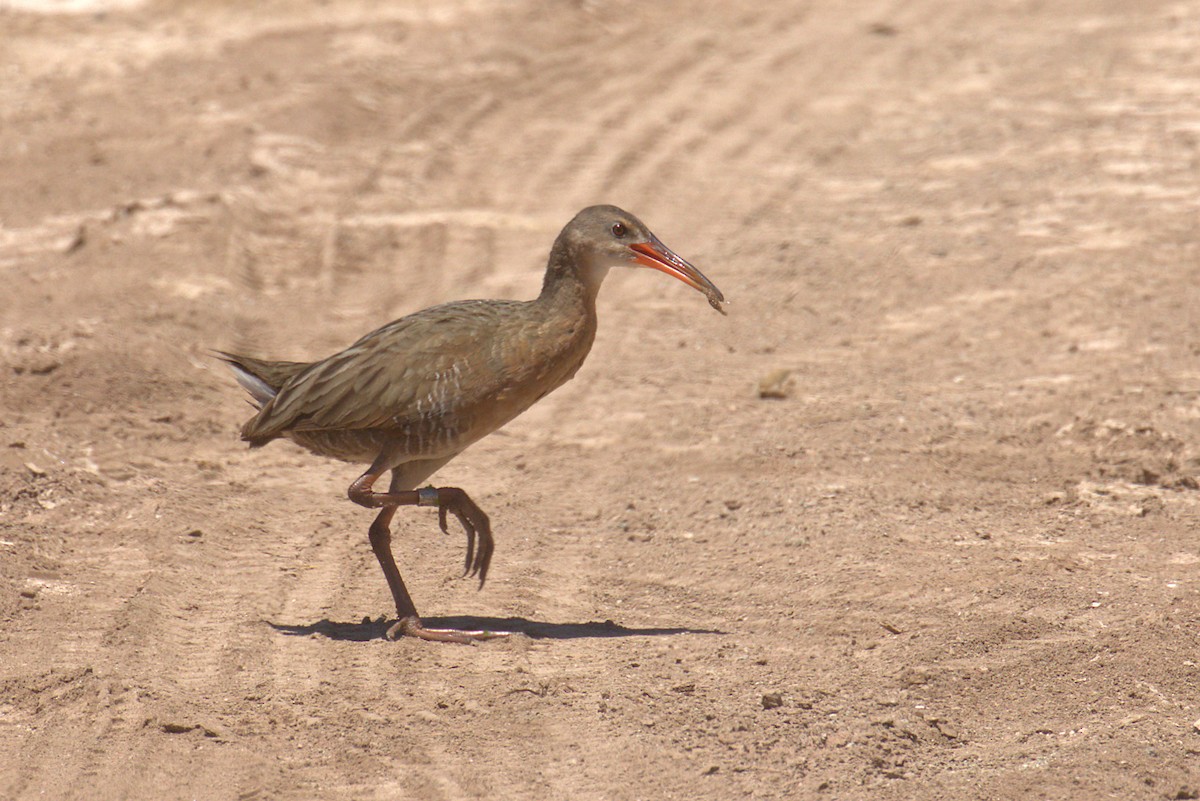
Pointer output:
x,y
775,384
772,700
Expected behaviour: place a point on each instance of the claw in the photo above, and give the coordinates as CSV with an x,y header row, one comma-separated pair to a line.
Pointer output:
x,y
483,559
470,529
475,524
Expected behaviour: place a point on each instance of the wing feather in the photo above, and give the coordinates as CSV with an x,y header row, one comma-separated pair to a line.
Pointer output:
x,y
428,368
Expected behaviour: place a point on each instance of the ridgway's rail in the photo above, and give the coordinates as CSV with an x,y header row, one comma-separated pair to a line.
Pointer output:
x,y
412,395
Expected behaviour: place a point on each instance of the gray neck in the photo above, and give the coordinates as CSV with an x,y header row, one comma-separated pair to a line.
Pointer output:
x,y
570,279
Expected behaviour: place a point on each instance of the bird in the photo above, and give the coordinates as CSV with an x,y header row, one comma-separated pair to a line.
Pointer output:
x,y
412,395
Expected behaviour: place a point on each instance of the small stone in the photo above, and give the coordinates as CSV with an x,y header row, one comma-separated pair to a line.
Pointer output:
x,y
711,770
118,472
1196,726
33,468
772,700
195,533
214,730
177,728
77,240
776,384
1147,476
44,366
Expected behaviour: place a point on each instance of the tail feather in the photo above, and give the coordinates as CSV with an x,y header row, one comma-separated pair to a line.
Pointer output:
x,y
258,389
262,379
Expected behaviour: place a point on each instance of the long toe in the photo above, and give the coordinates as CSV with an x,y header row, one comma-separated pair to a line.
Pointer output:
x,y
470,529
483,559
411,627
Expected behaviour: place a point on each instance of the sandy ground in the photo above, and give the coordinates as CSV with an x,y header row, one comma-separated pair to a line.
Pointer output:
x,y
958,560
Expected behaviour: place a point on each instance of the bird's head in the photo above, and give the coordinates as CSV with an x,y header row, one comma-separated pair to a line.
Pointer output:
x,y
601,237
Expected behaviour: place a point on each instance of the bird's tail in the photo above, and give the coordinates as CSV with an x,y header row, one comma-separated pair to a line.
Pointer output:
x,y
262,379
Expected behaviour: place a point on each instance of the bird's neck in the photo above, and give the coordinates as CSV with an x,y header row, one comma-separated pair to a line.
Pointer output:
x,y
570,283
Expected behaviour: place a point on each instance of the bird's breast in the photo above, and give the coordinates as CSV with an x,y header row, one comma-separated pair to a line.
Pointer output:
x,y
538,361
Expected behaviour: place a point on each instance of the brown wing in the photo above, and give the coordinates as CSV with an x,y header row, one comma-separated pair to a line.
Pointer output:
x,y
419,373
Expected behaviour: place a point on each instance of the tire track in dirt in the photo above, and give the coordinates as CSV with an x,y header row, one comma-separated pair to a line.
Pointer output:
x,y
168,620
215,652
86,611
633,118
707,108
577,164
613,148
325,686
179,623
572,168
144,618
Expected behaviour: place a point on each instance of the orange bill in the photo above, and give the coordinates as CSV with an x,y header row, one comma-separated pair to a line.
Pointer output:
x,y
660,257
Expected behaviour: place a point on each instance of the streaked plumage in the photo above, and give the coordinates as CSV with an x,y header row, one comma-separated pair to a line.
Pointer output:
x,y
411,395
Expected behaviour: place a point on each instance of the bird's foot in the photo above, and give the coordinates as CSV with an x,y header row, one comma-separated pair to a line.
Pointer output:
x,y
411,627
474,522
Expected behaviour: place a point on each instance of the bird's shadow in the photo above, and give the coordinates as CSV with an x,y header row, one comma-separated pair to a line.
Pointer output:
x,y
534,629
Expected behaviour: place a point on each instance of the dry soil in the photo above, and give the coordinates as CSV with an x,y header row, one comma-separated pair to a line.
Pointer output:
x,y
957,558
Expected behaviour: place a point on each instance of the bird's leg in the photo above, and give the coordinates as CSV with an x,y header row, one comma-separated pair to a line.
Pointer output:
x,y
409,623
381,543
447,500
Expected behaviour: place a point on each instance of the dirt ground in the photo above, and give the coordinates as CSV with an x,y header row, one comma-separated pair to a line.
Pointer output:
x,y
957,560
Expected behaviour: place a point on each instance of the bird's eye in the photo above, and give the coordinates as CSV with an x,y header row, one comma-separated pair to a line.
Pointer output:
x,y
618,230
